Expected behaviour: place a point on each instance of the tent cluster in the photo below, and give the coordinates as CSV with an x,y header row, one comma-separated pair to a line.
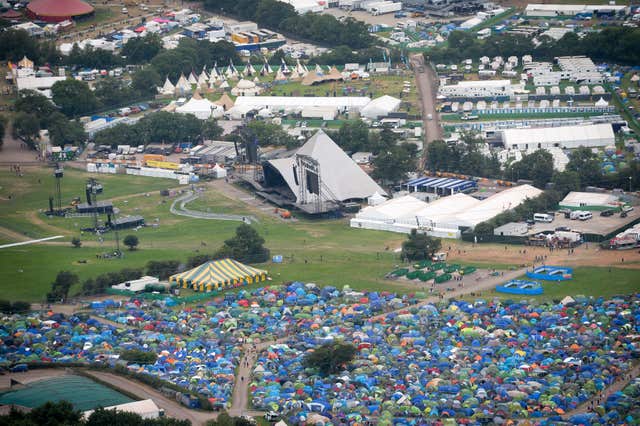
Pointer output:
x,y
218,78
477,361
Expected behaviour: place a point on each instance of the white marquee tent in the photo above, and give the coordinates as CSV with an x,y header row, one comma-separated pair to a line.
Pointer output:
x,y
443,217
201,108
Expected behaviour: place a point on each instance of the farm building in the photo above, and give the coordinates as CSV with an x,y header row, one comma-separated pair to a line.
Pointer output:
x,y
589,201
593,135
445,217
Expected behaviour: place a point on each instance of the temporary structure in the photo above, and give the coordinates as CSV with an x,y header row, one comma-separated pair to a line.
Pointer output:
x,y
225,102
249,70
168,88
219,275
192,78
266,69
183,86
245,88
380,107
342,178
201,108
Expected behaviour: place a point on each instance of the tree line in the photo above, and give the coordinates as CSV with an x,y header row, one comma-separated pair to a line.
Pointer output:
x,y
279,16
160,126
62,413
614,44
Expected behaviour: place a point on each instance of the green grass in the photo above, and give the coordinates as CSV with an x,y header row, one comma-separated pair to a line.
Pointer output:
x,y
496,19
587,281
101,15
335,254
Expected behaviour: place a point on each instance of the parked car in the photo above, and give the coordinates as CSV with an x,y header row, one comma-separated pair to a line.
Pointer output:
x,y
606,213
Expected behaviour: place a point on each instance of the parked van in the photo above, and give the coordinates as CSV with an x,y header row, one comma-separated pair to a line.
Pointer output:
x,y
543,217
585,215
574,214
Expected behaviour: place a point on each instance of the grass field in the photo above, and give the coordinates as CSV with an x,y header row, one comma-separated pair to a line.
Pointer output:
x,y
587,281
327,252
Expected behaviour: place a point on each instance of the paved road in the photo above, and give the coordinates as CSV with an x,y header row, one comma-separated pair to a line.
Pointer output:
x,y
427,89
24,243
181,210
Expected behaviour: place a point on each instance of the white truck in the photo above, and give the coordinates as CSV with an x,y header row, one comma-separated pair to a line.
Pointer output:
x,y
385,7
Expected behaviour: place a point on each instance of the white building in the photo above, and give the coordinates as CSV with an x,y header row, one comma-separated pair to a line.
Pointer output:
x,y
551,78
305,6
589,201
480,89
136,285
593,135
553,10
443,217
147,409
295,104
580,69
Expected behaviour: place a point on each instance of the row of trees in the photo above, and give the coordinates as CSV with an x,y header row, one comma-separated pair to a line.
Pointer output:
x,y
34,112
584,167
160,127
614,44
280,16
465,157
102,282
62,413
17,307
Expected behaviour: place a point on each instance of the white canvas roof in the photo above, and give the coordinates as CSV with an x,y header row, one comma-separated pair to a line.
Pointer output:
x,y
380,107
33,83
201,108
444,215
343,178
496,204
299,102
589,135
147,409
577,199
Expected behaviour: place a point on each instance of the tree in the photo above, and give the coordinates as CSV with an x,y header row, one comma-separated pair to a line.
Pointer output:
x,y
131,241
162,268
141,50
74,97
565,182
420,246
353,136
26,127
75,242
54,414
112,92
17,44
537,166
61,286
32,102
139,357
145,82
393,164
211,130
584,162
330,358
246,246
269,134
63,131
17,307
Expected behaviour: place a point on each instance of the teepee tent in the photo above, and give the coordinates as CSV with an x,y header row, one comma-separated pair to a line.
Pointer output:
x,y
225,102
192,78
249,70
168,88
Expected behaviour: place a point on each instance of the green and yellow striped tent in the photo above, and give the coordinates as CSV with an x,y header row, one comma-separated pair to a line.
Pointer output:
x,y
218,275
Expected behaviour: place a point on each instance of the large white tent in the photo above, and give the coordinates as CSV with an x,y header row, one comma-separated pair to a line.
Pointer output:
x,y
592,135
201,108
342,178
380,107
443,217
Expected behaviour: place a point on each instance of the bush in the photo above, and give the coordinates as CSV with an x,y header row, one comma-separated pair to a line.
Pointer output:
x,y
330,358
139,357
75,242
17,307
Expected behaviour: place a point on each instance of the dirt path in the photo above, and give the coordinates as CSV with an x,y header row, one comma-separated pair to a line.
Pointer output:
x,y
618,385
14,151
171,407
588,254
426,83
